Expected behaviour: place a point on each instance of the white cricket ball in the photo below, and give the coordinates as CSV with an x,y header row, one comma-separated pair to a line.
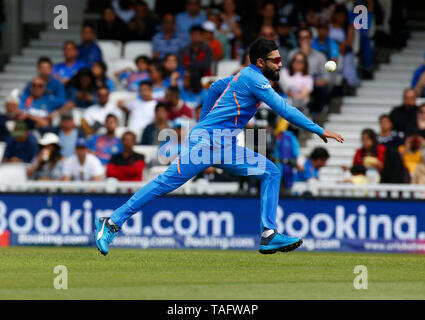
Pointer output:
x,y
330,66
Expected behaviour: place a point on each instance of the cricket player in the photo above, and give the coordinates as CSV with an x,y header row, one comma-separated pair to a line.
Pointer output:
x,y
230,104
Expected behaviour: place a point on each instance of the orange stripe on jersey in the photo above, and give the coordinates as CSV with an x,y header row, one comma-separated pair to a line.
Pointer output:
x,y
258,105
178,165
218,100
239,108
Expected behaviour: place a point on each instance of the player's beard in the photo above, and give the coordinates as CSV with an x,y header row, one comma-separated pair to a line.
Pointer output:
x,y
273,75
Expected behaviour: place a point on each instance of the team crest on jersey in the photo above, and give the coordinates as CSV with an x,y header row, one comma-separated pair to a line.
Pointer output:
x,y
266,86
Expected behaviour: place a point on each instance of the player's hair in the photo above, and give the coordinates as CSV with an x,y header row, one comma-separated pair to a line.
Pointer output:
x,y
319,153
44,59
260,49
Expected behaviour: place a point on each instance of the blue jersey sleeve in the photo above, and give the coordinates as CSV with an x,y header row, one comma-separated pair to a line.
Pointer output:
x,y
263,91
214,93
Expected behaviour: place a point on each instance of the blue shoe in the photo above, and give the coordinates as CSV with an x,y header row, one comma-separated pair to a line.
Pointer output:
x,y
104,234
279,242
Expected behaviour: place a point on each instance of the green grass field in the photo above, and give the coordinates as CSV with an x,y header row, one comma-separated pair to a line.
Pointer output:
x,y
27,273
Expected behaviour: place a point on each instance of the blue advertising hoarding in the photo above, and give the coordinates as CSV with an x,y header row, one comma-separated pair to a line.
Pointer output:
x,y
216,222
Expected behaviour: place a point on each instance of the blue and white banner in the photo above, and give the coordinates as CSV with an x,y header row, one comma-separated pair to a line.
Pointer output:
x,y
216,222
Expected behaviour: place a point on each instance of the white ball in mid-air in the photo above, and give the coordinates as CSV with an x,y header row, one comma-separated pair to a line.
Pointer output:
x,y
330,66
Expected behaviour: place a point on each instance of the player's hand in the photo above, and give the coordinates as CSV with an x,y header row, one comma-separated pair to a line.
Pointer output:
x,y
331,135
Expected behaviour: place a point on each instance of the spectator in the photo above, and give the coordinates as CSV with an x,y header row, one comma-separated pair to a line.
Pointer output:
x,y
111,27
89,52
420,121
99,70
191,17
316,61
296,82
82,166
68,134
198,111
55,90
230,19
358,175
48,165
173,74
215,45
95,115
324,44
81,89
150,134
419,174
124,9
193,94
156,75
310,169
104,146
268,15
404,116
372,154
133,78
411,151
168,40
286,152
13,114
144,24
176,107
142,109
342,31
37,107
388,137
127,165
21,146
286,38
418,81
171,148
66,70
197,54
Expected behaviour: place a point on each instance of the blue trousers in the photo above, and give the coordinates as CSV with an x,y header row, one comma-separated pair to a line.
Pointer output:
x,y
240,161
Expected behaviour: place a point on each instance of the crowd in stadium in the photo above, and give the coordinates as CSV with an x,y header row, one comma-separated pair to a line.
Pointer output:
x,y
188,42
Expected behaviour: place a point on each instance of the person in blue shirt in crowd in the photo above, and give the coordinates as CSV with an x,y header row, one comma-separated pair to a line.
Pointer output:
x,y
286,152
324,44
192,93
104,146
55,90
81,90
89,51
226,111
21,145
418,81
64,71
168,40
191,17
312,165
37,106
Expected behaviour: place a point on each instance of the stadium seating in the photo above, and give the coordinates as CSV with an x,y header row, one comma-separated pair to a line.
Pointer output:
x,y
2,149
132,49
13,173
226,68
111,49
150,152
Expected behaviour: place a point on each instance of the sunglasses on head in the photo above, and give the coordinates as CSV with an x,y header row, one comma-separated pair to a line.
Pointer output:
x,y
276,60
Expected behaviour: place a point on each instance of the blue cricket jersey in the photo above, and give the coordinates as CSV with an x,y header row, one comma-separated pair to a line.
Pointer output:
x,y
240,98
